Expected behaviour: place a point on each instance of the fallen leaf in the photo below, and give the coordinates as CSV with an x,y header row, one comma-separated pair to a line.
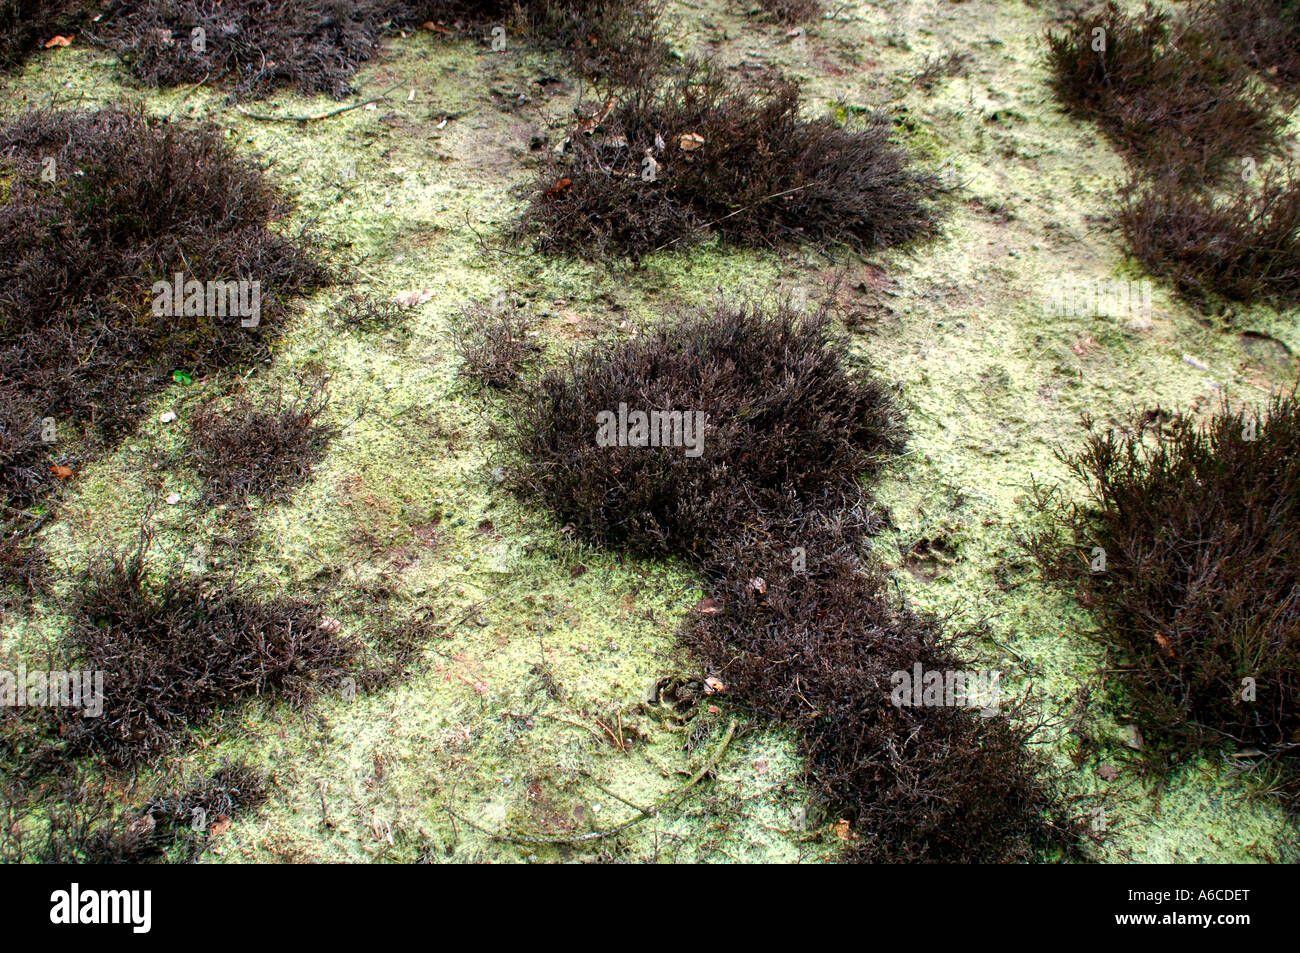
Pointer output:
x,y
58,41
708,606
690,141
61,471
590,123
560,187
219,826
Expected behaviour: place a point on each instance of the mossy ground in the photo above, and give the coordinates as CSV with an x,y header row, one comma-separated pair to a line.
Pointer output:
x,y
539,638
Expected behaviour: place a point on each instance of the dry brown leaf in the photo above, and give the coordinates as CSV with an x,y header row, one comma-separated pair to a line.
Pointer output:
x,y
590,123
690,141
708,606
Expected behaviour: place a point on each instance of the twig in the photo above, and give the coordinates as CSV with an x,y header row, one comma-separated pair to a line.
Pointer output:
x,y
671,799
612,737
565,721
335,112
324,814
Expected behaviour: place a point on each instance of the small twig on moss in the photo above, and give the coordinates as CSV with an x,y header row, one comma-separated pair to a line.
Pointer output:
x,y
335,112
612,737
671,799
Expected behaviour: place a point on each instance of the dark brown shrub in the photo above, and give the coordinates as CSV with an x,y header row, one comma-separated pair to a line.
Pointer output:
x,y
616,44
818,646
78,824
133,200
23,571
1200,589
935,69
26,25
792,11
495,343
313,45
175,652
1243,247
267,449
788,430
187,817
1169,94
1264,33
370,315
699,156
783,415
81,825
318,45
